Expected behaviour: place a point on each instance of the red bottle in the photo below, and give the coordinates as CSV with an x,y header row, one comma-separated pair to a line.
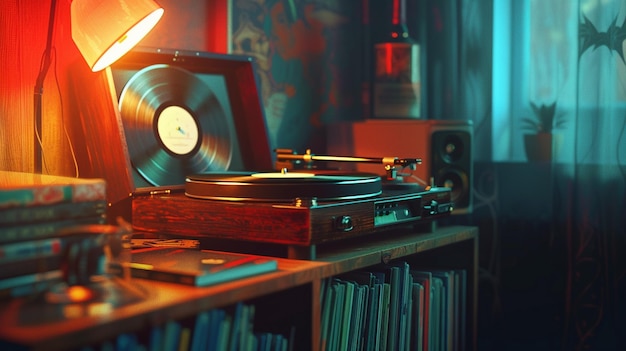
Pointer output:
x,y
397,75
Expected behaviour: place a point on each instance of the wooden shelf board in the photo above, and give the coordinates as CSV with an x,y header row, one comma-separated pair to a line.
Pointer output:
x,y
388,246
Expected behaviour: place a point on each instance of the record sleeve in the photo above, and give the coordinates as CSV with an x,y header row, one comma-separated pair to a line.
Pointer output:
x,y
187,112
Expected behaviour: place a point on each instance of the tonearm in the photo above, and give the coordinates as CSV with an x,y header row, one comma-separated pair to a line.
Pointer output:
x,y
287,158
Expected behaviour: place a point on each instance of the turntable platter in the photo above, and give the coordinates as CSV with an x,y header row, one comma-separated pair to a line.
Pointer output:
x,y
282,187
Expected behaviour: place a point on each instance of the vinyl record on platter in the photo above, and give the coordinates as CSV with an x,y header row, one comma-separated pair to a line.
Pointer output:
x,y
174,125
279,187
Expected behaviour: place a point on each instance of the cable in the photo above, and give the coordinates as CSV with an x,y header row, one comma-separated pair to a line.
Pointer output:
x,y
67,136
38,106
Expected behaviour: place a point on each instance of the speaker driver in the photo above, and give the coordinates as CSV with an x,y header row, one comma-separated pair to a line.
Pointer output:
x,y
458,181
174,125
452,148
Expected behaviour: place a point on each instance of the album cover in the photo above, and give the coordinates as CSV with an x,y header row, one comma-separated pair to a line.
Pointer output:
x,y
197,267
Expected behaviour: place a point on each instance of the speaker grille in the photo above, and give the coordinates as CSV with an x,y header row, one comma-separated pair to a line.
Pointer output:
x,y
451,164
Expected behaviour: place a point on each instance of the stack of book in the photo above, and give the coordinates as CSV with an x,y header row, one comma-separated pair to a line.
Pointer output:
x,y
34,208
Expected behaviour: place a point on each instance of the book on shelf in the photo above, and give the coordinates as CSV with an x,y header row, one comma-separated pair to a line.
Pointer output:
x,y
184,341
29,284
417,329
447,307
236,330
424,278
386,312
197,267
376,310
53,212
394,309
25,250
199,335
327,297
334,334
18,189
29,280
30,266
461,308
404,301
206,329
439,314
42,230
348,317
171,335
223,333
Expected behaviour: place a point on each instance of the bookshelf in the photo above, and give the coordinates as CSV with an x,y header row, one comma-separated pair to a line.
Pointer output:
x,y
290,296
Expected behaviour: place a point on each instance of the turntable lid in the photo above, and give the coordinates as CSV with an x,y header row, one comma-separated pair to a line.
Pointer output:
x,y
282,187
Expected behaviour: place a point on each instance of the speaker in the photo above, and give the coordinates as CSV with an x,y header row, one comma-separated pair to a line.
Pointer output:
x,y
444,146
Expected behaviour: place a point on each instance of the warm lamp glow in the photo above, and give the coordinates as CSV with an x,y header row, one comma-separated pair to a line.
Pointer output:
x,y
105,30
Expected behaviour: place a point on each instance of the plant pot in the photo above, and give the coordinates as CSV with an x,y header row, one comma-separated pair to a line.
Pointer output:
x,y
542,147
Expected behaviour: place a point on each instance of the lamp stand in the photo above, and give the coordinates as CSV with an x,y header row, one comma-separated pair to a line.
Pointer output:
x,y
43,70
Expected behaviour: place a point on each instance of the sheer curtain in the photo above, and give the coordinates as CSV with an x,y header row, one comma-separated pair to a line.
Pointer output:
x,y
567,59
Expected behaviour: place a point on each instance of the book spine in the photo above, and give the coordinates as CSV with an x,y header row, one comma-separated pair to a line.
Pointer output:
x,y
29,279
30,266
29,249
70,210
39,195
31,288
43,230
162,276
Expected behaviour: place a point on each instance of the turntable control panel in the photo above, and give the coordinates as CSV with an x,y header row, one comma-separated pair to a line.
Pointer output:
x,y
394,211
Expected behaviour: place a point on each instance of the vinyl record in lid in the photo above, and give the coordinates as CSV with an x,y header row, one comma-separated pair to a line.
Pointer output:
x,y
279,187
174,124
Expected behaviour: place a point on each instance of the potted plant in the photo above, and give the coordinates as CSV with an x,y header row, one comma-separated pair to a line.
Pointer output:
x,y
541,143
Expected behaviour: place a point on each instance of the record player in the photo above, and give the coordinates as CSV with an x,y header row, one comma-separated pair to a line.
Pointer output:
x,y
300,209
197,143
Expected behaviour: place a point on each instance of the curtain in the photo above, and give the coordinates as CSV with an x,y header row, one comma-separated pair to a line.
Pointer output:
x,y
565,79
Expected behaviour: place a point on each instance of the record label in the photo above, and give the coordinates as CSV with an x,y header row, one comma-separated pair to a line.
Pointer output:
x,y
177,130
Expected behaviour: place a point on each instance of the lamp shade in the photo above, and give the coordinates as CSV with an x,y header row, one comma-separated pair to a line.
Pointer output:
x,y
105,30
